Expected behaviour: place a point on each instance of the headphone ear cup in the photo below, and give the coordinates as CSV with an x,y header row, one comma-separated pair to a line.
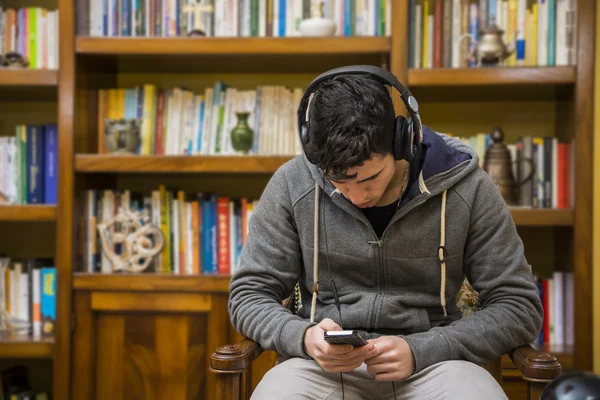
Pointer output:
x,y
304,139
400,138
304,134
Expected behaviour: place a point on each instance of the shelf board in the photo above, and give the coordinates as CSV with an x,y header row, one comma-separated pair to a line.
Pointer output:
x,y
232,55
94,163
491,76
28,212
28,84
25,346
228,46
492,84
28,77
155,282
542,217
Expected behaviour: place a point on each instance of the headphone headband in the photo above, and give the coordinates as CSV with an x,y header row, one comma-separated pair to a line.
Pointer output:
x,y
381,75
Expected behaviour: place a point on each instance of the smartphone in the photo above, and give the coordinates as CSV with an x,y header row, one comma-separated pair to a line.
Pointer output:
x,y
345,337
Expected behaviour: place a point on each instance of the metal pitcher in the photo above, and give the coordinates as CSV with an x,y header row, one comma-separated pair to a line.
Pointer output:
x,y
498,165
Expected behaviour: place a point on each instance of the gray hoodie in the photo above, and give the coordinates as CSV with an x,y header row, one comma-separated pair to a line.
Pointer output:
x,y
397,285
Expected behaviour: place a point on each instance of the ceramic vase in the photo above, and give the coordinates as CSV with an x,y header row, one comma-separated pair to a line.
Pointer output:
x,y
242,136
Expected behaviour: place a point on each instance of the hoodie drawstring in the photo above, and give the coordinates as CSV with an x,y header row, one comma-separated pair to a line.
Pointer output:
x,y
315,288
442,253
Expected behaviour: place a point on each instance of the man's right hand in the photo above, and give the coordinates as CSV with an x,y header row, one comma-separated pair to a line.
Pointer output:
x,y
334,357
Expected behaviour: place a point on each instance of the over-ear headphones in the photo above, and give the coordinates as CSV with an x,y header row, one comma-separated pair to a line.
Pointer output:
x,y
407,132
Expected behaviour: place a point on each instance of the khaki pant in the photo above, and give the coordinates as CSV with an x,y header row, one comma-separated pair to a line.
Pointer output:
x,y
297,378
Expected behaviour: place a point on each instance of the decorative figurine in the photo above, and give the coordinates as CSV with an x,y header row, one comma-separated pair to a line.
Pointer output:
x,y
138,240
242,136
489,50
198,8
14,60
122,135
317,25
498,165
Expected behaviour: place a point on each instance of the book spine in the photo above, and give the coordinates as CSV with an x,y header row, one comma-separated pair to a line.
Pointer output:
x,y
35,165
223,234
51,164
48,300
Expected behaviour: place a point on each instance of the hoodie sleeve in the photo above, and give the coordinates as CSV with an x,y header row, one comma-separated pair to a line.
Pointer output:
x,y
495,265
270,266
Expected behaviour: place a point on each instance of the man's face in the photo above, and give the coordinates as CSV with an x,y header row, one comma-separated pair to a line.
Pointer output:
x,y
370,183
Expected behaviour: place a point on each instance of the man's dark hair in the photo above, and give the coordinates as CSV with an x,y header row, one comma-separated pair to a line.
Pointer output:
x,y
350,119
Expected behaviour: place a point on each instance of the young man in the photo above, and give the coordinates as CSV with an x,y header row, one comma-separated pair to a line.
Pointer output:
x,y
395,242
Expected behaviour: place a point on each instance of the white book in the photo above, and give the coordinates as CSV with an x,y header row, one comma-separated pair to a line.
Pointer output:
x,y
3,156
388,17
542,56
561,33
454,34
262,18
558,301
289,18
418,48
36,300
275,18
571,29
569,309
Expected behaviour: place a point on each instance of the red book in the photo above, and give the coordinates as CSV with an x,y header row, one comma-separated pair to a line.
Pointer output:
x,y
546,306
223,235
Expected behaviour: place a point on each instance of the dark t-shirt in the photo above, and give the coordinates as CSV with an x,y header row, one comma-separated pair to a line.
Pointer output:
x,y
380,217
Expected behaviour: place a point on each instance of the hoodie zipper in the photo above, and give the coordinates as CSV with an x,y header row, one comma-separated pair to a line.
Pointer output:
x,y
379,243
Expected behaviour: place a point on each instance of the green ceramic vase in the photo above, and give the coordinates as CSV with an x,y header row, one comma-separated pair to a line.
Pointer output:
x,y
242,136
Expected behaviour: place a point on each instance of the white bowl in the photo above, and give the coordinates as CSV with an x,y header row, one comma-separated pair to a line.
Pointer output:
x,y
317,27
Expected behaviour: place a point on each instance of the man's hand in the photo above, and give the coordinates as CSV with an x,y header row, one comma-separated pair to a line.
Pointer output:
x,y
392,360
334,357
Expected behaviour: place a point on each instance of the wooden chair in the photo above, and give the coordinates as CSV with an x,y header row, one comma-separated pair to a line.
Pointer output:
x,y
234,364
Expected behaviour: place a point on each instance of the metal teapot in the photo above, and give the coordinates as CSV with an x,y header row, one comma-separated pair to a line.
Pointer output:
x,y
498,165
490,50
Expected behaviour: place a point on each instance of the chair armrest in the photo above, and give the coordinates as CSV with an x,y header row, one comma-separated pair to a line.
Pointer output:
x,y
235,358
534,365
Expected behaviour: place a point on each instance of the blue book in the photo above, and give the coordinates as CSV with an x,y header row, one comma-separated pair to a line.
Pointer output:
x,y
206,254
48,300
35,164
214,252
50,163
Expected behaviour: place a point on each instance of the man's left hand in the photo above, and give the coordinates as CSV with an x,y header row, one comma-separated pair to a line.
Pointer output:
x,y
393,359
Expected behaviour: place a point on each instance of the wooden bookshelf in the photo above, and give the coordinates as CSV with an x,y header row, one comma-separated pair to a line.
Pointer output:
x,y
88,64
153,282
25,346
109,163
28,77
491,76
232,46
28,212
